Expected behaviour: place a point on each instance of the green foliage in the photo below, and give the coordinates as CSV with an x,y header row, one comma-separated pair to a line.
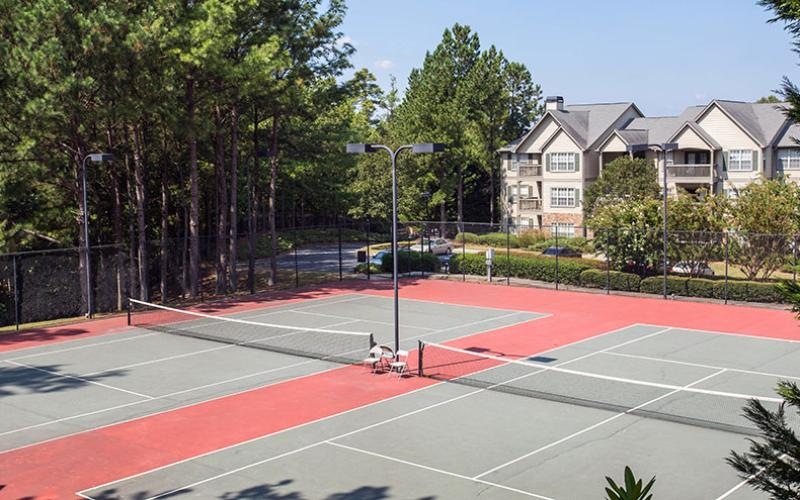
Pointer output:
x,y
411,261
578,243
530,237
466,237
533,268
614,280
770,465
767,213
748,291
655,284
697,222
624,178
362,268
499,240
632,489
628,233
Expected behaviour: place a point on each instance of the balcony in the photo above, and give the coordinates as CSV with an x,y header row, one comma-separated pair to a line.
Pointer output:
x,y
527,169
528,204
700,172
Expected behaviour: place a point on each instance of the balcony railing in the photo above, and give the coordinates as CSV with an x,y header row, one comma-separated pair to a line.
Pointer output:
x,y
698,171
530,170
530,204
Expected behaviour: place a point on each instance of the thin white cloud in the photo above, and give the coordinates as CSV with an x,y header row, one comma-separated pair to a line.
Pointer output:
x,y
384,64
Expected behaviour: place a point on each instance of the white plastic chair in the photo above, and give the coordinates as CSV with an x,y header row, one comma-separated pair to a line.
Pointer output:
x,y
374,359
400,365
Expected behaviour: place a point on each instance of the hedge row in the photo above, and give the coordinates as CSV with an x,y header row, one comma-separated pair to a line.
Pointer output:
x,y
534,268
411,261
583,273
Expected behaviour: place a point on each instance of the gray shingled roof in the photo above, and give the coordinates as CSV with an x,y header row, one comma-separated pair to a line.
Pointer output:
x,y
762,121
632,136
659,129
511,146
790,137
587,122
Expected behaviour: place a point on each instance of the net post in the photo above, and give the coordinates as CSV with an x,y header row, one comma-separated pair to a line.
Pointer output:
x,y
128,306
420,348
372,342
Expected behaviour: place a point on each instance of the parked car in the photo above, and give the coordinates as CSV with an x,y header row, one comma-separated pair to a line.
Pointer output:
x,y
694,269
377,258
561,252
439,246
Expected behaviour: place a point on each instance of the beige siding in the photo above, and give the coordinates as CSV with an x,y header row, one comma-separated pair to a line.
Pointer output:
x,y
591,165
725,131
688,139
614,145
571,184
543,132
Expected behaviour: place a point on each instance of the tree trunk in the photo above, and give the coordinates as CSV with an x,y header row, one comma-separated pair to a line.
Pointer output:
x,y
273,180
117,226
83,254
141,221
222,202
251,223
194,210
234,230
164,221
133,274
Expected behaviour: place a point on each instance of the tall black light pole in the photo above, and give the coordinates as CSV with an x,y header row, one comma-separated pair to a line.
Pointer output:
x,y
663,148
94,158
415,149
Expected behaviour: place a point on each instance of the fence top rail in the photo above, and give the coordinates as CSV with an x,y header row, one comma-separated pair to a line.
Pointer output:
x,y
60,250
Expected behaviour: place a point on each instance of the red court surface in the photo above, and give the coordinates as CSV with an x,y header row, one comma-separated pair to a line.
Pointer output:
x,y
61,467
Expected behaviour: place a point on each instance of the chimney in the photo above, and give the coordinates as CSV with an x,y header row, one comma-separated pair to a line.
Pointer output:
x,y
554,103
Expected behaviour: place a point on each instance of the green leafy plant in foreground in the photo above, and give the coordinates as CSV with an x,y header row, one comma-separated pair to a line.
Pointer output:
x,y
633,489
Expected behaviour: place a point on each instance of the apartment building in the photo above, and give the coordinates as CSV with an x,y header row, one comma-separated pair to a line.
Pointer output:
x,y
721,147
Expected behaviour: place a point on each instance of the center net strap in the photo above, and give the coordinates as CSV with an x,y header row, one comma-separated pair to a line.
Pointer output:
x,y
685,404
332,345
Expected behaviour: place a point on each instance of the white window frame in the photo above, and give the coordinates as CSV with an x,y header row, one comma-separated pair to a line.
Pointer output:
x,y
562,162
563,197
740,160
563,229
525,191
789,158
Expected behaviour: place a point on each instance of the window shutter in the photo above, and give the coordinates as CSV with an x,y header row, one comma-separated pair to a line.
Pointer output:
x,y
547,162
725,160
577,197
755,160
577,162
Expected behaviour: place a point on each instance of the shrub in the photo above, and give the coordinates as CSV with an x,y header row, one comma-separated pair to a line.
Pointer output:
x,y
616,280
749,291
467,238
701,288
534,268
411,261
499,240
655,284
578,243
362,268
530,237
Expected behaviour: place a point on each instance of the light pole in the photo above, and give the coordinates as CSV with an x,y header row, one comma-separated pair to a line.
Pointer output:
x,y
415,149
94,158
663,148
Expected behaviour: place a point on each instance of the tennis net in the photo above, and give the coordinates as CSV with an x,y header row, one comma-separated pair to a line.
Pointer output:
x,y
332,345
687,404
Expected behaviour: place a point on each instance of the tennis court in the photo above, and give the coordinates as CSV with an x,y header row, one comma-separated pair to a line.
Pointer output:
x,y
534,401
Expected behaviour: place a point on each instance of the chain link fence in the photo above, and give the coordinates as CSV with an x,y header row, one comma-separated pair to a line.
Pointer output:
x,y
45,285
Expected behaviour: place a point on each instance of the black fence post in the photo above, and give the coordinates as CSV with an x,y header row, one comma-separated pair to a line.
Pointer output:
x,y
339,233
727,256
508,255
463,255
128,307
558,250
422,250
369,265
16,293
420,348
608,271
794,258
296,266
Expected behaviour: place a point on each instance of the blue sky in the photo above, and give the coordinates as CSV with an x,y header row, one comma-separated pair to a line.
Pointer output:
x,y
663,55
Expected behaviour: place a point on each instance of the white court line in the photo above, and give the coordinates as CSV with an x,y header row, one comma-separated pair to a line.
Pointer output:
x,y
362,429
719,332
363,320
594,426
129,329
74,377
440,471
746,480
202,351
701,365
236,379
